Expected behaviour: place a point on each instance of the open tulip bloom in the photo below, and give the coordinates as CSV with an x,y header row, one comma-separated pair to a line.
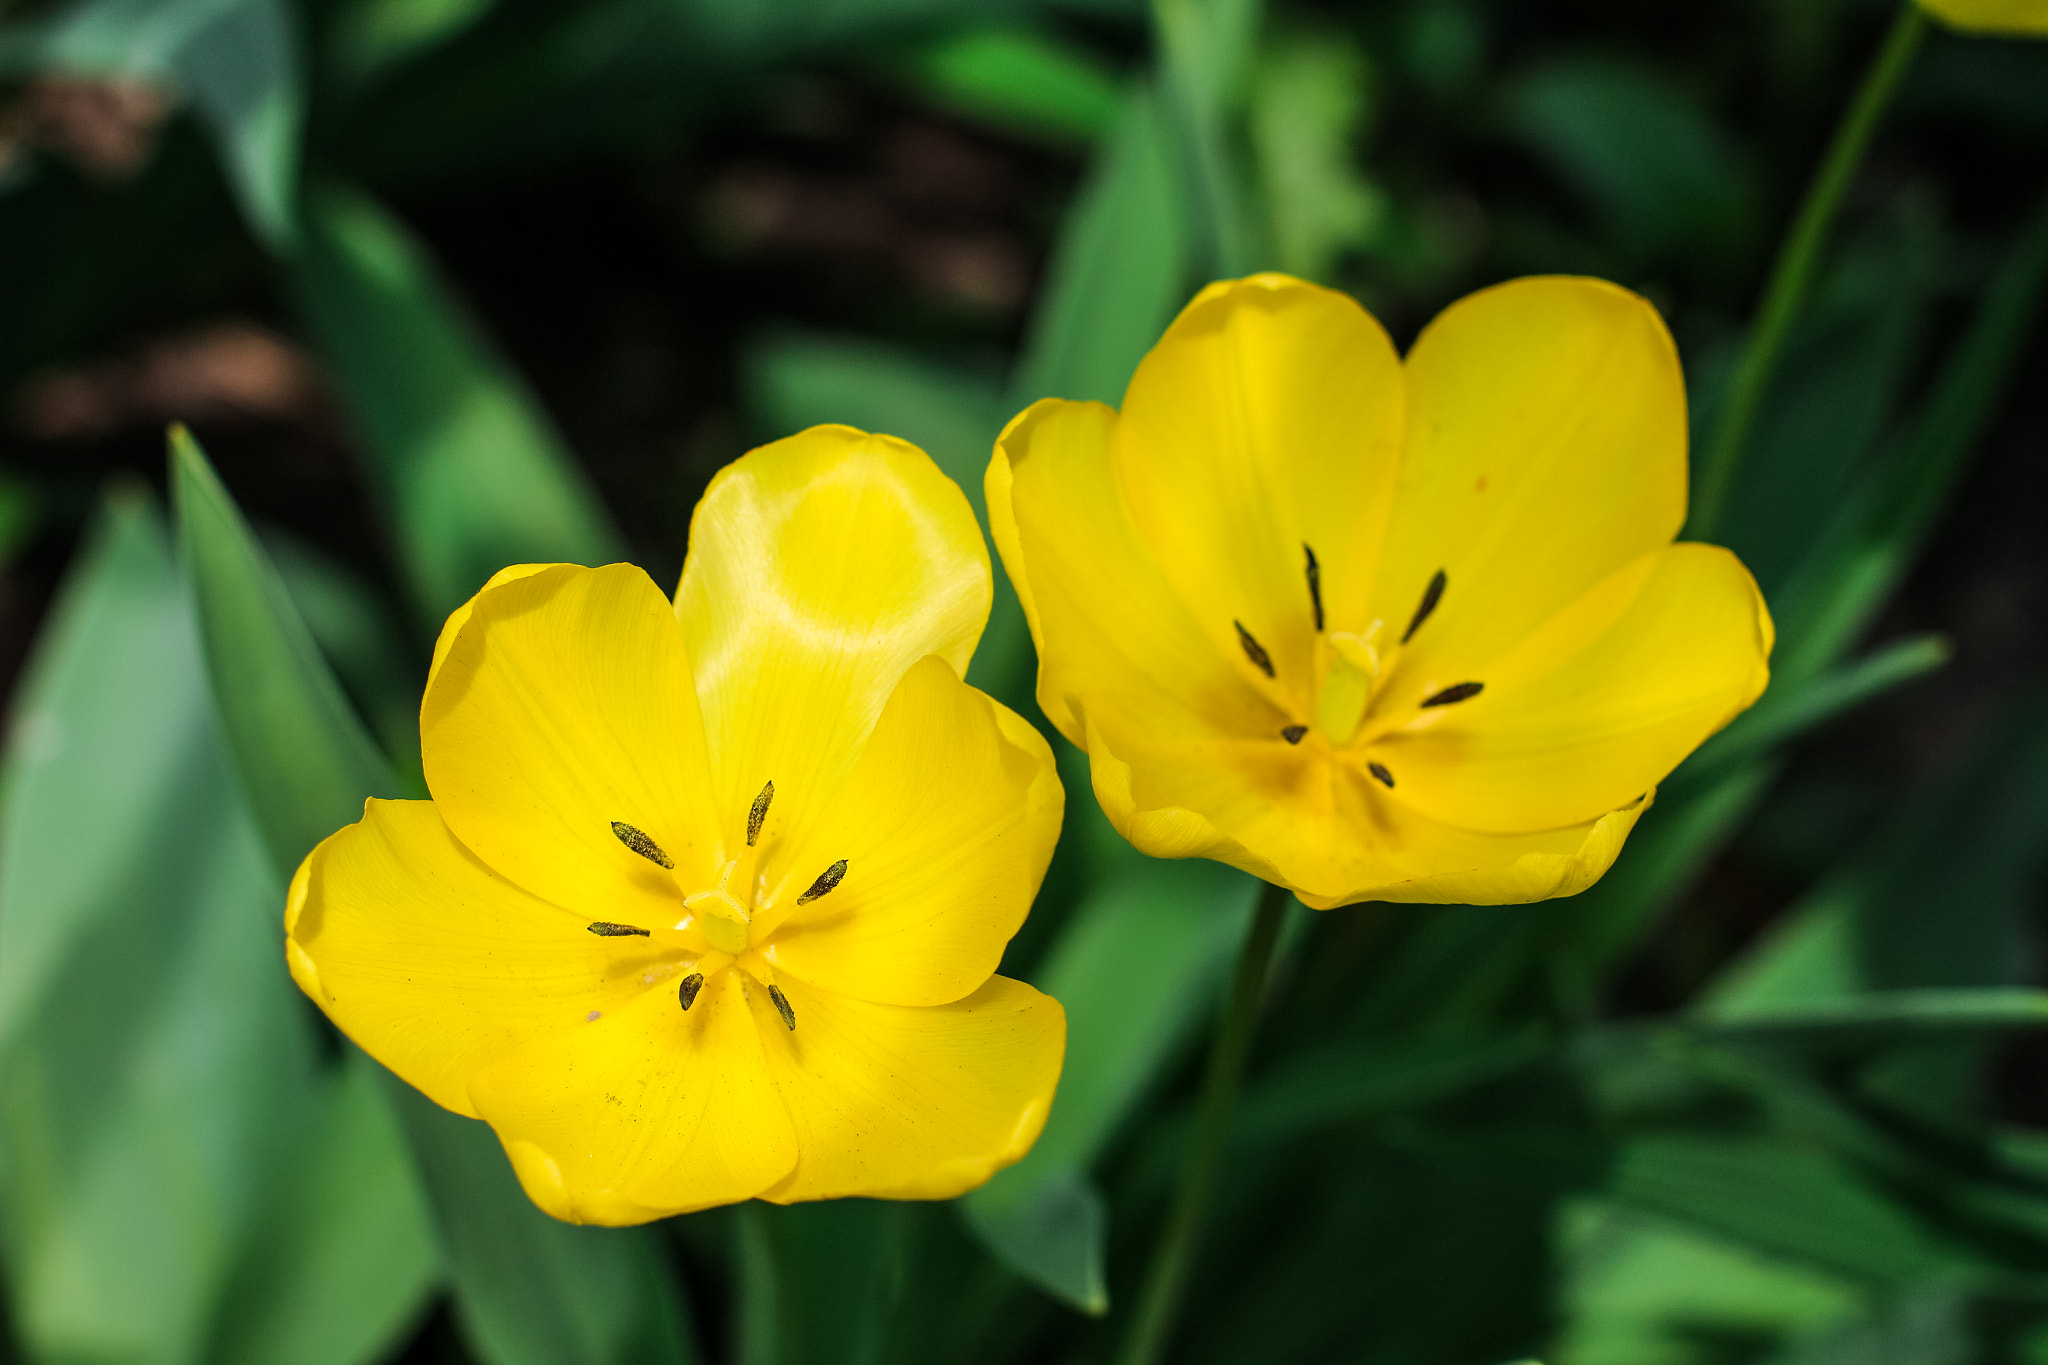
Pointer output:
x,y
1375,630
709,898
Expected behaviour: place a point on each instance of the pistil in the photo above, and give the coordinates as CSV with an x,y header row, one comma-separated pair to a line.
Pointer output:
x,y
1351,664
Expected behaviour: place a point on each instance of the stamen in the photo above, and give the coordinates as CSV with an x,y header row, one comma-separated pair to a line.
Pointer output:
x,y
642,845
604,928
1455,692
1431,595
687,992
1253,650
1379,770
1315,583
827,879
782,1007
759,813
1293,733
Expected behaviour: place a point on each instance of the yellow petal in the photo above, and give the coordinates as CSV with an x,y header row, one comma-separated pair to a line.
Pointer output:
x,y
946,826
1104,616
1323,827
432,962
451,629
646,1112
895,1102
1545,449
1598,705
1266,423
820,569
563,704
2028,17
1466,868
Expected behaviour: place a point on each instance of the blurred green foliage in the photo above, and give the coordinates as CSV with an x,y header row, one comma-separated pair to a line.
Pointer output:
x,y
523,273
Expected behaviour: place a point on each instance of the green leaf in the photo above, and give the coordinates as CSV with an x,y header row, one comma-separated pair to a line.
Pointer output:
x,y
1309,106
1205,52
1119,269
1639,1288
1137,966
155,1065
1866,550
819,1283
1787,712
240,61
372,36
1785,1199
1940,899
1022,79
304,755
343,1260
1881,1012
530,1290
1655,168
474,474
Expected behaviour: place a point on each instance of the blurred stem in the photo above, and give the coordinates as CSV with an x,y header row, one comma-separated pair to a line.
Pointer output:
x,y
759,1329
1792,274
1206,48
1174,1254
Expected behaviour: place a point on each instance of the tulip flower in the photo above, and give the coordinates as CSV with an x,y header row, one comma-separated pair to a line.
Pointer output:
x,y
708,900
1373,629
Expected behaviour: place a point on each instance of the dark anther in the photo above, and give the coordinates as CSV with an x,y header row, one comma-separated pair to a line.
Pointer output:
x,y
782,1007
1379,770
827,879
1455,692
1315,583
604,928
1253,650
1431,595
641,844
1293,733
759,813
687,992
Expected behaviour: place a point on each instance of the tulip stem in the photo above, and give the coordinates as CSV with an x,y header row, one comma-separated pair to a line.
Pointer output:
x,y
1792,274
1173,1256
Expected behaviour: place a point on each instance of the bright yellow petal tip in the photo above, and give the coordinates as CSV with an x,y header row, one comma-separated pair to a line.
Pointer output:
x,y
709,899
2020,18
1374,628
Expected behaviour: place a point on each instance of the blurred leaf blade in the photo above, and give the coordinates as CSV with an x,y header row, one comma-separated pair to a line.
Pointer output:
x,y
344,1260
475,476
299,745
156,1067
239,59
529,1289
1138,965
1119,269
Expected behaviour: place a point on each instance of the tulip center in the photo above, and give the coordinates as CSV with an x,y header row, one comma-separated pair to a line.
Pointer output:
x,y
724,915
1350,664
1349,667
723,918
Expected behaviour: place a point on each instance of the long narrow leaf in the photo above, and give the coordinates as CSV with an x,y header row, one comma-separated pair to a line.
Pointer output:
x,y
529,1289
473,472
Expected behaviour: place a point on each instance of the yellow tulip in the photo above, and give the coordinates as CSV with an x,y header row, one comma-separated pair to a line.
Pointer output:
x,y
709,898
1375,630
2024,17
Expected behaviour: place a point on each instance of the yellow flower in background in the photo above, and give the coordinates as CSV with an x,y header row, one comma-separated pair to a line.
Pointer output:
x,y
709,898
2025,17
1374,630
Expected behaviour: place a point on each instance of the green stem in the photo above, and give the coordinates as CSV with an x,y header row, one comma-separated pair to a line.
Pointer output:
x,y
1792,274
1174,1254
